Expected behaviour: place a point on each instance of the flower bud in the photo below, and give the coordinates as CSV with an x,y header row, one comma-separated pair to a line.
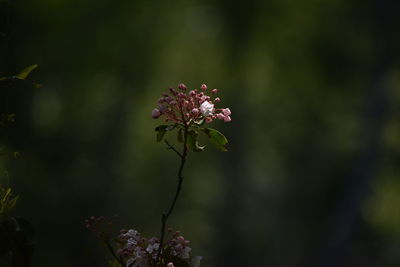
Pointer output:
x,y
182,86
170,264
214,91
203,87
155,113
227,119
226,111
220,116
195,111
217,100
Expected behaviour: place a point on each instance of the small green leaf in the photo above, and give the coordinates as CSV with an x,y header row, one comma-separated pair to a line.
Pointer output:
x,y
25,72
200,122
192,141
216,138
161,130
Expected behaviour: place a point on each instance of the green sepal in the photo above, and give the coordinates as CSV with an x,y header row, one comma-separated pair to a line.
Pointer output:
x,y
216,138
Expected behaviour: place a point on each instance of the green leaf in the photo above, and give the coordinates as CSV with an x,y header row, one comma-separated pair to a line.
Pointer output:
x,y
192,141
216,138
25,72
161,130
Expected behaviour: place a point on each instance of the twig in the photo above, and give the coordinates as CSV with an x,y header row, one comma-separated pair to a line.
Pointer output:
x,y
113,253
173,148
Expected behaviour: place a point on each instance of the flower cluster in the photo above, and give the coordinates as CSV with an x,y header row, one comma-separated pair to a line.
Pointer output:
x,y
138,251
182,107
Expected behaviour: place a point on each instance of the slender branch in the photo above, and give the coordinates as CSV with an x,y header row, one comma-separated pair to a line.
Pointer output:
x,y
113,253
165,215
173,148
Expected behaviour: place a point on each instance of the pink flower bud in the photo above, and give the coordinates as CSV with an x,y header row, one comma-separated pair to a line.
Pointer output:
x,y
208,119
170,264
217,100
214,91
227,119
220,116
203,87
195,111
226,111
191,93
155,113
172,91
182,86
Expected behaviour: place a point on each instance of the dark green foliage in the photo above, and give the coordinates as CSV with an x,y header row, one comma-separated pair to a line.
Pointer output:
x,y
16,234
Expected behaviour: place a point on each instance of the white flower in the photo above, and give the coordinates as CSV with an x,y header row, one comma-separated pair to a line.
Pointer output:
x,y
207,108
131,242
150,248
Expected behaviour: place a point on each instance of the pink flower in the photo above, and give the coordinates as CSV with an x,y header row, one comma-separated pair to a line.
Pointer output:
x,y
227,119
182,86
220,116
226,111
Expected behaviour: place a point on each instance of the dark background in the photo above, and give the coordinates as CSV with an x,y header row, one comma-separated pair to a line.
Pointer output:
x,y
312,173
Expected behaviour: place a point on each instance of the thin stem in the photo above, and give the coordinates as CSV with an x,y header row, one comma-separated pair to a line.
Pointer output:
x,y
113,253
165,215
173,148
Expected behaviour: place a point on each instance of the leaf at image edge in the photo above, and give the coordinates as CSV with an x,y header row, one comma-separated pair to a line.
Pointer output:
x,y
25,72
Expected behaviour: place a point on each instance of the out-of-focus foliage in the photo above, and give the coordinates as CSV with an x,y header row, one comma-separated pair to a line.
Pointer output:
x,y
312,167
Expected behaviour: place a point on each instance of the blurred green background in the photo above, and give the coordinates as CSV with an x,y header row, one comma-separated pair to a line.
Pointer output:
x,y
312,173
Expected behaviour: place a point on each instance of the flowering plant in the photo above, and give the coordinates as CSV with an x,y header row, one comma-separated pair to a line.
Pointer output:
x,y
185,112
